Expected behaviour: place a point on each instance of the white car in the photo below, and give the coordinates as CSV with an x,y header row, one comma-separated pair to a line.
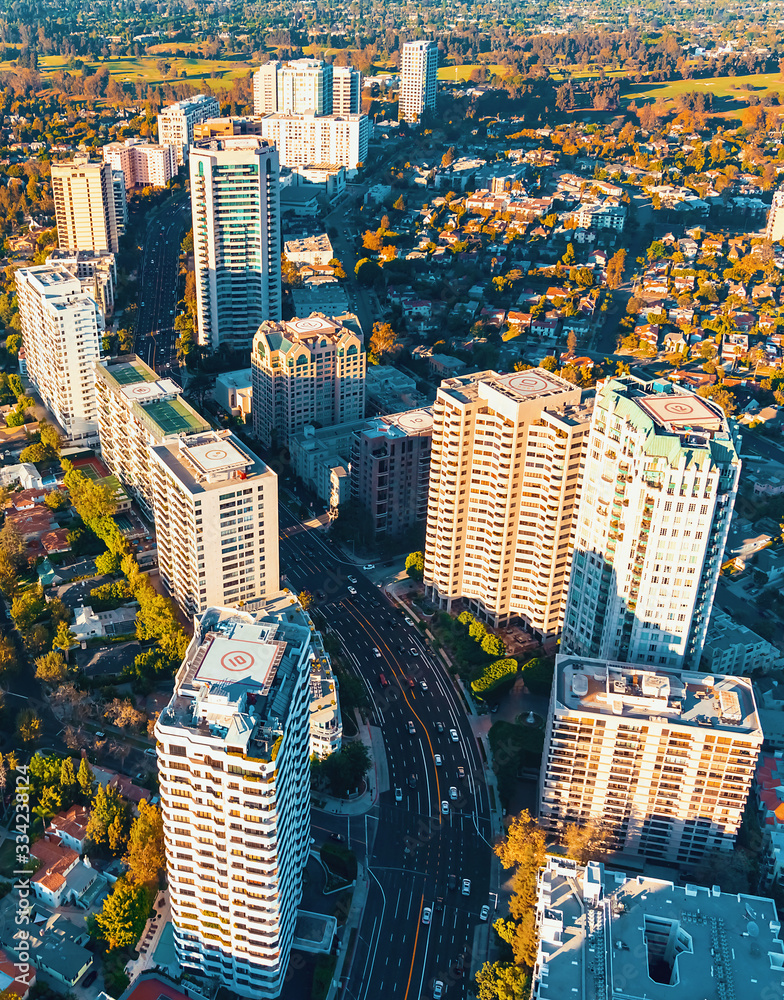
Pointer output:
x,y
466,890
398,794
377,652
445,808
453,793
408,621
484,912
369,566
438,989
352,590
352,579
427,913
414,651
438,760
453,736
423,685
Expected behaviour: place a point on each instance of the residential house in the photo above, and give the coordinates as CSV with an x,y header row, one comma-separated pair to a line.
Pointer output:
x,y
71,827
63,877
15,981
54,944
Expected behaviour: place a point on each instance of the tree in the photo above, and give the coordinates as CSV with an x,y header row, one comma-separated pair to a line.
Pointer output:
x,y
400,204
569,257
616,266
550,364
145,856
305,599
67,780
448,158
502,981
571,342
721,396
372,241
86,779
49,804
9,664
415,565
346,769
56,500
588,842
123,915
120,712
383,340
64,638
493,645
108,563
51,668
28,725
107,807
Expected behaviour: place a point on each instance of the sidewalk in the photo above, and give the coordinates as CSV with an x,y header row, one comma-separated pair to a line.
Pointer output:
x,y
353,921
377,779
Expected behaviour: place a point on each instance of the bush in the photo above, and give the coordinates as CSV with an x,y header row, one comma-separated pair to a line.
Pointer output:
x,y
495,674
538,676
340,861
322,976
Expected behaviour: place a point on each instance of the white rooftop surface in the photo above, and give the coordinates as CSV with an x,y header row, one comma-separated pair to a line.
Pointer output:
x,y
699,943
236,660
144,392
215,456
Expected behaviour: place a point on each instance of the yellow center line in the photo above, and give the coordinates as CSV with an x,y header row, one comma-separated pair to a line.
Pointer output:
x,y
363,620
416,938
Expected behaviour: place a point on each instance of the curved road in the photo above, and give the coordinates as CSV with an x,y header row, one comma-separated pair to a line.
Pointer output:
x,y
410,847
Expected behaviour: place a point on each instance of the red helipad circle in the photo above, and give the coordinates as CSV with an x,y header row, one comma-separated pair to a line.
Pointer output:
x,y
678,408
237,660
216,454
140,390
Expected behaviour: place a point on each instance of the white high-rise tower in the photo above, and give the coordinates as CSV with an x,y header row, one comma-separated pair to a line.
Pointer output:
x,y
418,79
84,206
235,203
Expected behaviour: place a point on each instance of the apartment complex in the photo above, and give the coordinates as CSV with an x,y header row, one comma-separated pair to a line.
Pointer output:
x,y
97,273
62,327
233,762
390,468
664,758
418,79
142,163
176,122
661,474
310,140
306,85
504,485
84,205
216,516
603,933
774,230
120,201
137,410
235,203
307,371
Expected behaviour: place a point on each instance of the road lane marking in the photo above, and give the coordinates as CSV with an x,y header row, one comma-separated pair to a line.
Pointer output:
x,y
413,955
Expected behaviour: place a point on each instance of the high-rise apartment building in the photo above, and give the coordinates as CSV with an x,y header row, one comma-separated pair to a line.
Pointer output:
x,y
418,79
97,273
504,485
142,163
84,205
307,371
235,203
306,139
265,88
233,762
664,758
62,327
176,122
137,410
661,475
305,85
120,201
774,230
216,517
346,91
390,469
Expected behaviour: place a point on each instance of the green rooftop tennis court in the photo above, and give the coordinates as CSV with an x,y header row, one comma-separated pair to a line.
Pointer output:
x,y
130,374
175,417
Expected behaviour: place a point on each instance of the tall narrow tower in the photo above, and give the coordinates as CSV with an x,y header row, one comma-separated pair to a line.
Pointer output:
x,y
418,79
84,205
235,203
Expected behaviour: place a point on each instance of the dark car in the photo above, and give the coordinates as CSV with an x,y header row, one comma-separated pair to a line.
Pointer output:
x,y
412,781
90,978
338,837
461,773
451,882
439,904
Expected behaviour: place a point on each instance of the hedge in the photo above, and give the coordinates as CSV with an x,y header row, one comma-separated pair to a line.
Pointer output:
x,y
493,675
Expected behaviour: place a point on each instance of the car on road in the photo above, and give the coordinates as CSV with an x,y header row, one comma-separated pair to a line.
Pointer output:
x,y
445,808
439,904
377,652
102,736
484,913
451,882
439,727
408,621
466,889
459,966
369,566
319,595
401,650
90,978
461,773
414,651
453,793
352,590
382,680
438,989
410,681
411,781
398,794
411,727
453,736
427,913
423,685
352,579
149,751
337,837
438,759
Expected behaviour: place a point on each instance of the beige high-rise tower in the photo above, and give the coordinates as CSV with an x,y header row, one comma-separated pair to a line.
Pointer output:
x,y
504,477
84,205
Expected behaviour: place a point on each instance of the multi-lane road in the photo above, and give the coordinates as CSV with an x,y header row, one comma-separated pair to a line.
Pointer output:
x,y
155,337
414,846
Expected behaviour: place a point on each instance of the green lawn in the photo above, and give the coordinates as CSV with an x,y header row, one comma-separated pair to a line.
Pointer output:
x,y
454,74
719,86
